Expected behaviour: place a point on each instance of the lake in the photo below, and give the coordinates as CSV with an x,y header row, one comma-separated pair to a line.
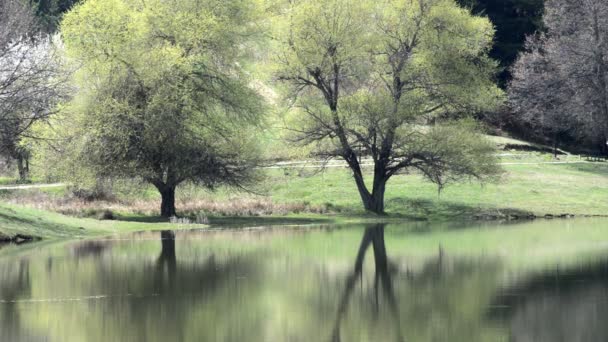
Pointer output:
x,y
545,280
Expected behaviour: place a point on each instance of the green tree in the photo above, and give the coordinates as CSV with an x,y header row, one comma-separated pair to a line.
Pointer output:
x,y
383,79
162,94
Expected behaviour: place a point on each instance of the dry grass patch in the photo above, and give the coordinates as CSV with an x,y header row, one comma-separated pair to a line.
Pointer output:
x,y
106,209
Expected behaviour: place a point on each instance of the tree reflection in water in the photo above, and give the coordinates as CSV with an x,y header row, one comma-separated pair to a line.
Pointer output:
x,y
373,236
561,305
166,259
277,285
19,286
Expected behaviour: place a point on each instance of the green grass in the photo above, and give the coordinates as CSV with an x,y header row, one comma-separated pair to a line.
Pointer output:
x,y
43,224
526,188
579,189
7,180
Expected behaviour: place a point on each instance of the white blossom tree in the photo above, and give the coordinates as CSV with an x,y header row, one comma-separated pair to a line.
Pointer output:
x,y
560,85
31,79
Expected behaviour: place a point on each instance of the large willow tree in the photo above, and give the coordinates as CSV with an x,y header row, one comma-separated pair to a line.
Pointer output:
x,y
383,79
162,95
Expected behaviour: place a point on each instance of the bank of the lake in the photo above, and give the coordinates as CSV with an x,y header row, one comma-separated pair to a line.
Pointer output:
x,y
21,224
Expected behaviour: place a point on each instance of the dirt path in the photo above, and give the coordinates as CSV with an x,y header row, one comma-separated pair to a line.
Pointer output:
x,y
339,164
30,186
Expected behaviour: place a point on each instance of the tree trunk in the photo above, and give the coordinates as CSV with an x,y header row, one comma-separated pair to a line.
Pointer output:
x,y
167,206
23,167
554,145
374,201
603,146
377,198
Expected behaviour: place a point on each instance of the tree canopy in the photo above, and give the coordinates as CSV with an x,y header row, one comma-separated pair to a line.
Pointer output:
x,y
382,79
162,94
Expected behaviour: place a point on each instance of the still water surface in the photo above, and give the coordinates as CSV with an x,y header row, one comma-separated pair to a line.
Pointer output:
x,y
538,281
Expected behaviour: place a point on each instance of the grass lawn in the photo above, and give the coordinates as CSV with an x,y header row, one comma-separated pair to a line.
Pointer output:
x,y
580,189
44,224
7,180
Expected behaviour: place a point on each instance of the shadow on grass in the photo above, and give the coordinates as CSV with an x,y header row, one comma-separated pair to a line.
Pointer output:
x,y
253,221
595,168
424,209
233,221
141,218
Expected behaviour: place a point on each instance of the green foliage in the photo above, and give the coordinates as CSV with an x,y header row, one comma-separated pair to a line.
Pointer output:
x,y
367,76
161,94
465,154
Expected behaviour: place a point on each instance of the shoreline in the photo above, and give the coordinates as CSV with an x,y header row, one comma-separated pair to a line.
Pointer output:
x,y
79,228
